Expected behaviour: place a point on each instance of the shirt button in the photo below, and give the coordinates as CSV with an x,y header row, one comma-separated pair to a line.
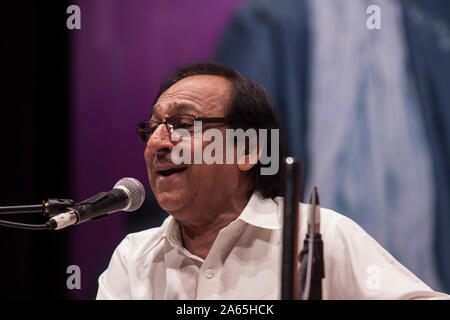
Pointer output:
x,y
209,274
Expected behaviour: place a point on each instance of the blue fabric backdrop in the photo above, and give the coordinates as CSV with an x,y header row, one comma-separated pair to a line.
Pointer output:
x,y
271,42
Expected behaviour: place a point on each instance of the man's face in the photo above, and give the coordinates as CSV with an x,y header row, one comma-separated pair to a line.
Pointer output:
x,y
189,187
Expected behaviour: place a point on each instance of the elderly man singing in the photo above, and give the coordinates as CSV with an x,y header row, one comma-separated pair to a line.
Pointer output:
x,y
222,239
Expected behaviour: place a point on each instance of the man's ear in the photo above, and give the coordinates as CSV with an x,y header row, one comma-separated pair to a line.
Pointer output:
x,y
247,161
245,166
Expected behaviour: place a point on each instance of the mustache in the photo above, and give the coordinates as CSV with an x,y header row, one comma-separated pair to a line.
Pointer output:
x,y
162,159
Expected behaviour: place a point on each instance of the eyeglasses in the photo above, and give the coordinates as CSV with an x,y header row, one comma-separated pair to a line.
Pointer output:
x,y
146,128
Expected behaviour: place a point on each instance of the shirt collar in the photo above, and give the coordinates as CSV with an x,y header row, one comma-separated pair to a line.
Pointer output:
x,y
259,212
171,231
262,212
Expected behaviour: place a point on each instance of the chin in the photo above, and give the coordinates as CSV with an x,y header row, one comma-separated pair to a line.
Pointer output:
x,y
170,201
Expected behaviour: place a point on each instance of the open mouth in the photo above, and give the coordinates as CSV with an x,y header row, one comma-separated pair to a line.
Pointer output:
x,y
169,172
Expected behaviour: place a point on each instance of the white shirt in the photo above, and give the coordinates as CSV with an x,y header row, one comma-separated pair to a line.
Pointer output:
x,y
245,262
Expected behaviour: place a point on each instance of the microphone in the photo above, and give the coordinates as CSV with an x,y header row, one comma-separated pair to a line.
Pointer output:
x,y
314,213
128,194
312,270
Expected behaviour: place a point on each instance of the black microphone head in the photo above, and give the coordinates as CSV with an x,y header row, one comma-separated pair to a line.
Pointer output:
x,y
134,190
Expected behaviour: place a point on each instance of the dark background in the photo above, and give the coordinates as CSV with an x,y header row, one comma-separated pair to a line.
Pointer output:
x,y
70,103
36,152
34,133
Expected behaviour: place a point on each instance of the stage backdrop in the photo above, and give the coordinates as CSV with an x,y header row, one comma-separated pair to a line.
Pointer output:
x,y
125,48
121,53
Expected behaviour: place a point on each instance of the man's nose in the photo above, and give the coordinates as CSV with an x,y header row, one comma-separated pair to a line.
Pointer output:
x,y
159,141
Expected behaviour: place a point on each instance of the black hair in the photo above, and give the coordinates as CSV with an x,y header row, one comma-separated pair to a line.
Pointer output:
x,y
249,107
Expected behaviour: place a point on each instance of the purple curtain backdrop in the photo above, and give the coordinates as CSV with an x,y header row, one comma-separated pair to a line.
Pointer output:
x,y
119,56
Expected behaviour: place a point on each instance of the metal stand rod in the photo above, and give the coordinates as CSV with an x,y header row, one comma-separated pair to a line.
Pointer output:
x,y
37,208
51,207
289,276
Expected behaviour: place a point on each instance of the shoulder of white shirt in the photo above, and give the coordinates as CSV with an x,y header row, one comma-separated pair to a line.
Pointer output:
x,y
143,242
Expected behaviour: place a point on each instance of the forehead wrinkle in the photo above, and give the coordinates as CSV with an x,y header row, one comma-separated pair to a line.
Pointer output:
x,y
199,98
196,102
176,106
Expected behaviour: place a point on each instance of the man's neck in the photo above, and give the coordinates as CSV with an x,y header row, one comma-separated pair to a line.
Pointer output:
x,y
198,239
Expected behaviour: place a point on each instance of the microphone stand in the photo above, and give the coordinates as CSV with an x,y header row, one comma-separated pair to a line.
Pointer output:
x,y
305,284
289,274
36,208
51,208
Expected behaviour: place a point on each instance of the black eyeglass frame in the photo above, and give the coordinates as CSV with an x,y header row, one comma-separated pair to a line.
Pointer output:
x,y
142,132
